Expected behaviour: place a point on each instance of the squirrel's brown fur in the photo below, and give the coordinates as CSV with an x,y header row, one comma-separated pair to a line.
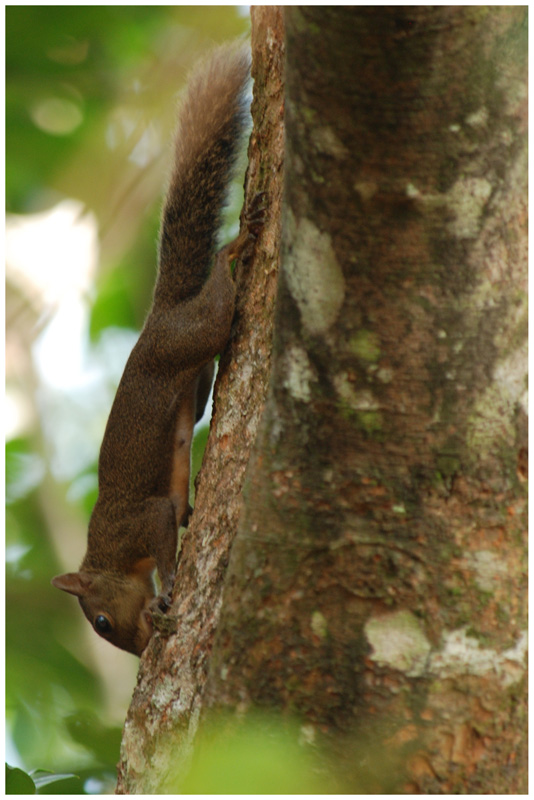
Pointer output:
x,y
143,470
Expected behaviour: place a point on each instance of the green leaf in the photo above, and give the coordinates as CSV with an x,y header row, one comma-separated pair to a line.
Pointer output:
x,y
57,783
18,781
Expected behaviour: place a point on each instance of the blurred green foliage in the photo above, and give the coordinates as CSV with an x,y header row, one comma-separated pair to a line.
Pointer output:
x,y
90,106
254,759
259,752
41,782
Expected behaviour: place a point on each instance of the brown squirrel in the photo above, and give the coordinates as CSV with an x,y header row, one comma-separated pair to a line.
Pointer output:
x,y
144,464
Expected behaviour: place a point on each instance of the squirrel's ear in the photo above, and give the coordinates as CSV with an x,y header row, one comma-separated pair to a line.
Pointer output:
x,y
143,567
77,583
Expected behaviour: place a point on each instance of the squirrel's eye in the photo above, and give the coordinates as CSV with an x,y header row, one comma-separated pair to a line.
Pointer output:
x,y
102,624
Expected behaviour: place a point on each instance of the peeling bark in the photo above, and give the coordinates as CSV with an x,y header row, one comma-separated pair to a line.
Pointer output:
x,y
163,715
378,578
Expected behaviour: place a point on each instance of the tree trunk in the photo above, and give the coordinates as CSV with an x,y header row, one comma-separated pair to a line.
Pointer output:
x,y
376,589
163,716
377,584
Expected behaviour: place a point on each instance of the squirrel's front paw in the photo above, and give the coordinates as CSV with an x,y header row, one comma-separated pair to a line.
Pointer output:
x,y
162,621
161,603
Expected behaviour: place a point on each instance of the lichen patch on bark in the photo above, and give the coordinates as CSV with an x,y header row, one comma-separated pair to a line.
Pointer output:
x,y
299,373
314,276
462,654
489,569
399,642
467,200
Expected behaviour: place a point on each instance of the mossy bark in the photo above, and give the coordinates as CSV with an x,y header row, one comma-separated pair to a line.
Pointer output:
x,y
378,578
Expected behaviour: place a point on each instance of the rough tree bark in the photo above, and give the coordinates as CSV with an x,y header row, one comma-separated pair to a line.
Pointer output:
x,y
378,578
163,716
376,585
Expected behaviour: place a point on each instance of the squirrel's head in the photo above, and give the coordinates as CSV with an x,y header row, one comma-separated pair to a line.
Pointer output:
x,y
115,605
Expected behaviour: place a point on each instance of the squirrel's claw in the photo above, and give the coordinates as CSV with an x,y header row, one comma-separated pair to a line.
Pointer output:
x,y
160,604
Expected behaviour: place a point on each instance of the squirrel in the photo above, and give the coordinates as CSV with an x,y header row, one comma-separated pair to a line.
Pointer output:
x,y
144,462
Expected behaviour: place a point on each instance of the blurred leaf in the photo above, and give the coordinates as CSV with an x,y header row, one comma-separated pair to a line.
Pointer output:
x,y
112,306
56,51
57,783
18,781
41,782
125,291
264,753
103,742
83,490
24,469
259,758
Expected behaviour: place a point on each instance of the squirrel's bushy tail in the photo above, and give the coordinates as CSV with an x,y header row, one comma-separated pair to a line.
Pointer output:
x,y
211,123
